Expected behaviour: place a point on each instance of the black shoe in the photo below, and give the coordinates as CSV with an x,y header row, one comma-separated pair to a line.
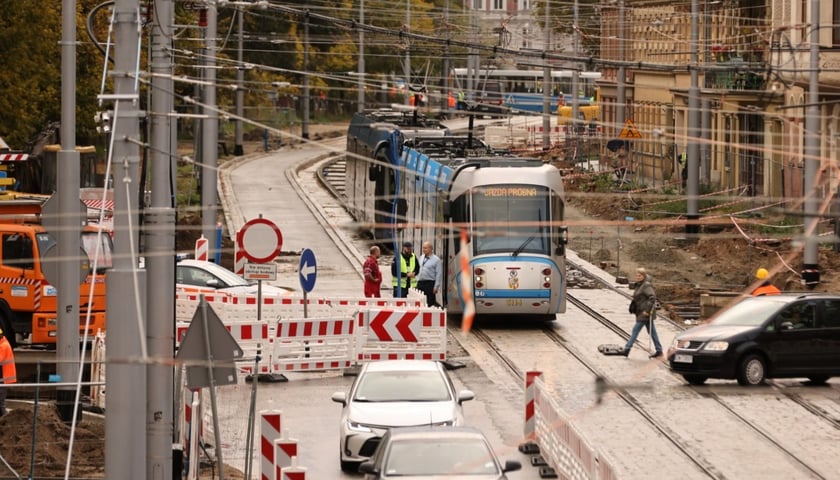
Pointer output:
x,y
625,352
656,355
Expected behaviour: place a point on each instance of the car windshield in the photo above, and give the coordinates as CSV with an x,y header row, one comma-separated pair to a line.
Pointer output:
x,y
462,456
751,311
425,386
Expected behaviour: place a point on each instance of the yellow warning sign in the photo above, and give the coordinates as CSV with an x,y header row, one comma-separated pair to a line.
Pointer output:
x,y
630,130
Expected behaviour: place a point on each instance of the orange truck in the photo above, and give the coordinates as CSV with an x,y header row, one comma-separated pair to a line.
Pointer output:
x,y
27,298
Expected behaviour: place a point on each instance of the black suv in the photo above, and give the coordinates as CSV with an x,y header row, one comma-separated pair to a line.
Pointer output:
x,y
774,336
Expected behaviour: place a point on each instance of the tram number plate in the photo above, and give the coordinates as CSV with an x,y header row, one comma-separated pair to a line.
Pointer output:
x,y
514,302
682,358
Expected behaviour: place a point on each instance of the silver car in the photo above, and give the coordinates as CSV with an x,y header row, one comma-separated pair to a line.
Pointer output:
x,y
436,453
394,393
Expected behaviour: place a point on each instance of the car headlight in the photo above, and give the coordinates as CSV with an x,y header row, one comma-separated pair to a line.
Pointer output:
x,y
716,346
358,427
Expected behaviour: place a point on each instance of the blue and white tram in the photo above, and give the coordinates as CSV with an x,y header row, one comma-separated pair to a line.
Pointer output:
x,y
429,188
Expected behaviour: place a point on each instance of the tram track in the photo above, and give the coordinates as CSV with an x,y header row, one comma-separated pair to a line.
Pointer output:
x,y
687,447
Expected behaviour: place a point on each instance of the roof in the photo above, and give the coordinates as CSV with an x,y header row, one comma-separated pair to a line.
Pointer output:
x,y
402,365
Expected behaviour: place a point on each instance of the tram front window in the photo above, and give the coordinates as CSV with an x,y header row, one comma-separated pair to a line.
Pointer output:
x,y
511,218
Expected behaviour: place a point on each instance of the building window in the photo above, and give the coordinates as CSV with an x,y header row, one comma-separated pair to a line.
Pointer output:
x,y
477,5
835,21
498,4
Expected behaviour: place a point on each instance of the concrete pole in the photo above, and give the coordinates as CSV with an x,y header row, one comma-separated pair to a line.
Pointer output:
x,y
238,148
361,105
693,152
305,123
210,133
159,234
69,222
621,100
546,112
407,66
810,256
576,78
125,426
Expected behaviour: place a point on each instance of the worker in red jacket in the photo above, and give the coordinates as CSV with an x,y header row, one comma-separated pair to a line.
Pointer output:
x,y
8,372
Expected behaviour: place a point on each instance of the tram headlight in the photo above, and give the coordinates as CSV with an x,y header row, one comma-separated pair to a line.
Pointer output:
x,y
478,271
547,283
546,272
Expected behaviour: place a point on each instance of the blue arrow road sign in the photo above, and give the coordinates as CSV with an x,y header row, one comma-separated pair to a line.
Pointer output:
x,y
308,270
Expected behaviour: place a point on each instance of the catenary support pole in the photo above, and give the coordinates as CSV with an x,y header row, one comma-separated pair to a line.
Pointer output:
x,y
810,256
693,151
159,235
68,222
125,426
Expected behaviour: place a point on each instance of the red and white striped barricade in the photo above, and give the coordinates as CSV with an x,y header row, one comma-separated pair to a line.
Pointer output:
x,y
202,249
244,307
309,344
239,259
252,337
186,304
560,444
530,393
285,449
392,334
270,432
294,472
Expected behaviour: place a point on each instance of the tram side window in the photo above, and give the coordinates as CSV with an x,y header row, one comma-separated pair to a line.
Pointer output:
x,y
17,251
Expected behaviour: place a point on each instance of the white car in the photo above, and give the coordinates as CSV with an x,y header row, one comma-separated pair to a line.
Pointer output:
x,y
198,276
394,393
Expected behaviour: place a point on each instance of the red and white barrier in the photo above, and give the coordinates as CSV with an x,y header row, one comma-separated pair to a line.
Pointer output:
x,y
306,344
285,451
530,392
202,249
387,334
269,433
560,444
239,259
294,472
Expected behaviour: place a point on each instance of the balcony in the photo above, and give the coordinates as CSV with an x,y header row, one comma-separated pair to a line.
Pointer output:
x,y
736,72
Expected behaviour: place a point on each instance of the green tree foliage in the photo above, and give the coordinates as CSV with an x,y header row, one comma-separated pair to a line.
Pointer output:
x,y
30,77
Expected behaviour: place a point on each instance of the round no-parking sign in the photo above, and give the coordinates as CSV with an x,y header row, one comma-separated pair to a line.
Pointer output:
x,y
259,240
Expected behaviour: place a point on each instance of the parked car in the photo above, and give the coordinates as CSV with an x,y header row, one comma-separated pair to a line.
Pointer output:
x,y
774,336
436,453
394,393
198,276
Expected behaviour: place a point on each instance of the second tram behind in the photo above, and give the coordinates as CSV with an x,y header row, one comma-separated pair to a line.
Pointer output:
x,y
410,179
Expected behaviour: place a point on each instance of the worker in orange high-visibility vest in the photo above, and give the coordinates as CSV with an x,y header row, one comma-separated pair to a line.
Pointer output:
x,y
8,372
766,288
451,101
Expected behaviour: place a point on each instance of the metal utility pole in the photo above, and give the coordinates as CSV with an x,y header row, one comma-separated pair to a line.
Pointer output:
x,y
693,152
546,113
576,78
125,426
238,149
407,71
304,133
361,106
621,100
447,87
69,222
810,256
159,235
210,133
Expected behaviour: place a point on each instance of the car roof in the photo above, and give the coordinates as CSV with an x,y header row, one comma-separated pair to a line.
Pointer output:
x,y
435,432
402,365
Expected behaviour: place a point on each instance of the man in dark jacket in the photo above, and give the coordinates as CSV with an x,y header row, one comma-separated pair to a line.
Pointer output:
x,y
644,298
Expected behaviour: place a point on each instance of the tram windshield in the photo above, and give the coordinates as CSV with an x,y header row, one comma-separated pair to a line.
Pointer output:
x,y
511,218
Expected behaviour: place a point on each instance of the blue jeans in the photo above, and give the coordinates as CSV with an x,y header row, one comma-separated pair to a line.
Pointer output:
x,y
651,326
